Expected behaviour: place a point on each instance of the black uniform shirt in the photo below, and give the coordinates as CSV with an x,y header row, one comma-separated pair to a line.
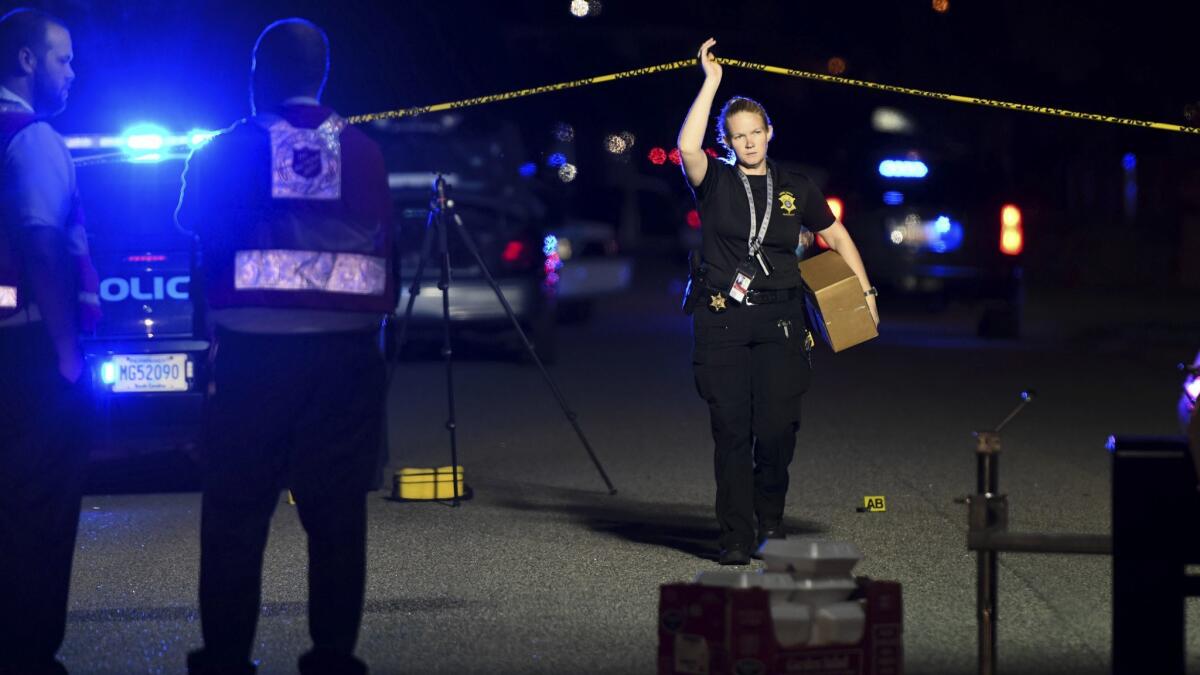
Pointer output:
x,y
725,222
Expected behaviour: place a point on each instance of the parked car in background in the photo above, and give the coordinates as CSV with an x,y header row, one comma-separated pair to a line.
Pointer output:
x,y
148,355
548,265
934,219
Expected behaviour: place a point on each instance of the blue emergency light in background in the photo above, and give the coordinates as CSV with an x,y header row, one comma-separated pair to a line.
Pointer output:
x,y
903,168
143,142
945,235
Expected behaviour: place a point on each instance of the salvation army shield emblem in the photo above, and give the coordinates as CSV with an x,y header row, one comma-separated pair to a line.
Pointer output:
x,y
306,162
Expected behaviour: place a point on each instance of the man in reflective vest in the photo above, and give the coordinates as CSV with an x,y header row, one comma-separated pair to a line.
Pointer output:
x,y
292,213
43,382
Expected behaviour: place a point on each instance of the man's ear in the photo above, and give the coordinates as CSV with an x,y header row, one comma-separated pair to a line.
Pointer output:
x,y
27,59
770,132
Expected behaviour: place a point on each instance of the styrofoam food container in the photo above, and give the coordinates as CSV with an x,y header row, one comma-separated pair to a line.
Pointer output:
x,y
840,623
792,623
821,591
810,558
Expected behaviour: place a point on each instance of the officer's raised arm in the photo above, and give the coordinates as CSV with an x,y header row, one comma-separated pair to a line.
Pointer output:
x,y
691,135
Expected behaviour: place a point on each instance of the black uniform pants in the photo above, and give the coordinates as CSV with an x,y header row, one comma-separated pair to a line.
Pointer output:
x,y
752,368
42,460
303,412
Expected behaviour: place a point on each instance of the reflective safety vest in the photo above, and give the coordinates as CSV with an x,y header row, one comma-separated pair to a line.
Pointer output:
x,y
298,244
13,293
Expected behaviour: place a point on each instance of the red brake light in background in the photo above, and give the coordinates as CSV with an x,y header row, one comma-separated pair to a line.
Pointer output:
x,y
693,219
1012,234
513,251
835,205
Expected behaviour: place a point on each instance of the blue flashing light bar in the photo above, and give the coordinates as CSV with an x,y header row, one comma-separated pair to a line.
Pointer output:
x,y
903,168
143,142
893,198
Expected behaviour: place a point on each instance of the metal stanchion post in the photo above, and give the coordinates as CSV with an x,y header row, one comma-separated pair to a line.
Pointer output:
x,y
988,512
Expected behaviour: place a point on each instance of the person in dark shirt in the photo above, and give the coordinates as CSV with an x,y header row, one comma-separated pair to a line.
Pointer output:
x,y
44,383
751,342
292,214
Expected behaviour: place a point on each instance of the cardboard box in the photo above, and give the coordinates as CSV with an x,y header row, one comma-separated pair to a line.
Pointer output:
x,y
837,309
709,630
410,483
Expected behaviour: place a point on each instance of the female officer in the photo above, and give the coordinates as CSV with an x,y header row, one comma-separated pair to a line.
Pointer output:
x,y
750,357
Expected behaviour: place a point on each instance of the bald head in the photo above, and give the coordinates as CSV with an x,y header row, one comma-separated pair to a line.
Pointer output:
x,y
291,58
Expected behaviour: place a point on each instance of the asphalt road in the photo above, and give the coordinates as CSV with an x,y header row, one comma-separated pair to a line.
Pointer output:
x,y
543,572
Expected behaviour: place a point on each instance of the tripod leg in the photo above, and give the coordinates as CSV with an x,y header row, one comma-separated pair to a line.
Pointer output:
x,y
562,402
447,350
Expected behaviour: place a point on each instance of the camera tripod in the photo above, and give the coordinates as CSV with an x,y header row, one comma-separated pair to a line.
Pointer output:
x,y
441,216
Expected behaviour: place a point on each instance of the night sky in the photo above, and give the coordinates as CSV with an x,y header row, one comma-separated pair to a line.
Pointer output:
x,y
184,65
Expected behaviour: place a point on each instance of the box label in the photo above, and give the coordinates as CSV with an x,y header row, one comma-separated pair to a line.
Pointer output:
x,y
691,654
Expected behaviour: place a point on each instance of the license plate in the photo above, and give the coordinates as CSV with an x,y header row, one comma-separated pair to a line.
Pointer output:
x,y
150,372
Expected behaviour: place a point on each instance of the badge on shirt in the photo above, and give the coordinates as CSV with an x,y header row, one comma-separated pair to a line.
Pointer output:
x,y
787,203
307,163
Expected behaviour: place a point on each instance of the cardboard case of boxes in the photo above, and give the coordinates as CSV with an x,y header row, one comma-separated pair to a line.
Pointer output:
x,y
806,618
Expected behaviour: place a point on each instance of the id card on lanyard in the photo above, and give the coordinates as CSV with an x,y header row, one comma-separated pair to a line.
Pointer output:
x,y
755,258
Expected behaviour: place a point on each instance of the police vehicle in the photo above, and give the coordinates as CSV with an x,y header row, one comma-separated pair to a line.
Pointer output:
x,y
934,218
147,357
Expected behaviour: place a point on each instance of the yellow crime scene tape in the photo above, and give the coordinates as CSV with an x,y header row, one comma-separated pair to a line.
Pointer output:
x,y
790,72
688,63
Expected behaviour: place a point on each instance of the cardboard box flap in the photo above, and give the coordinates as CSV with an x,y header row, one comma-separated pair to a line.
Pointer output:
x,y
825,270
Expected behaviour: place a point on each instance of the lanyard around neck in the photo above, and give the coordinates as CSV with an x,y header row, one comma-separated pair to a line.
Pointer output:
x,y
756,236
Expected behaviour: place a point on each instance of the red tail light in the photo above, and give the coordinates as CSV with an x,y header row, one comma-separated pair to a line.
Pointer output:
x,y
512,251
693,219
1012,233
517,255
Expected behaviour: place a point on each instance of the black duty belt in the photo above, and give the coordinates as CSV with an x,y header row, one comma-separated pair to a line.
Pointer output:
x,y
760,297
767,297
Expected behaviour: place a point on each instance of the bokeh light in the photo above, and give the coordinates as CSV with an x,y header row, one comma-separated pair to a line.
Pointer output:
x,y
564,132
836,65
675,157
657,156
566,173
